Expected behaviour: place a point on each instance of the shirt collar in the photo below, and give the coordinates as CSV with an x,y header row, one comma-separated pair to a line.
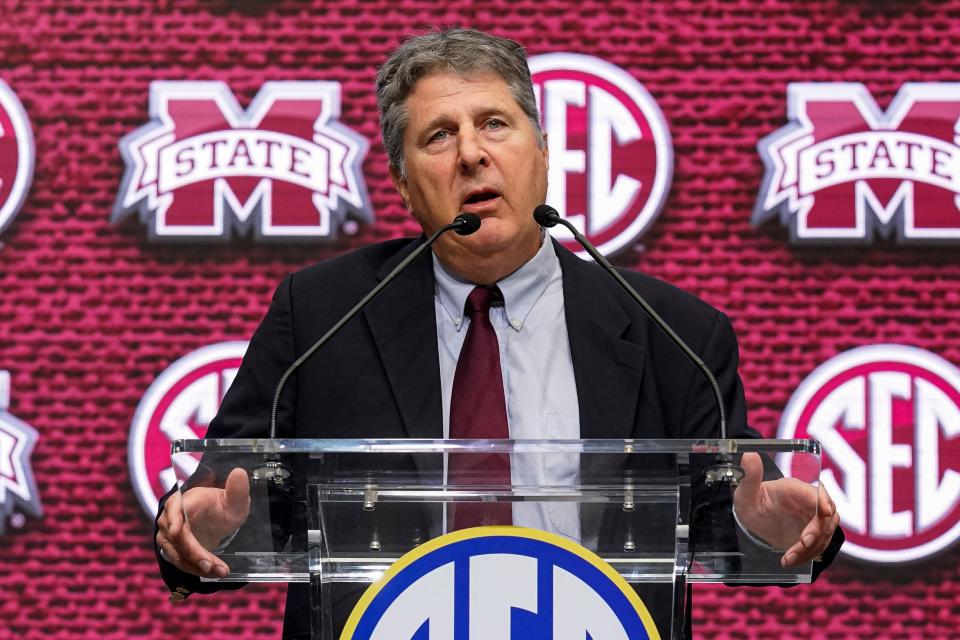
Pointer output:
x,y
521,289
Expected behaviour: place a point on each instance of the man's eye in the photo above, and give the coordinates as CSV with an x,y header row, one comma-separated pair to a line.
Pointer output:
x,y
494,124
439,136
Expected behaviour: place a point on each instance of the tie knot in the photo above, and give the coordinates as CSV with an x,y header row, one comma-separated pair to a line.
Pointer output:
x,y
481,299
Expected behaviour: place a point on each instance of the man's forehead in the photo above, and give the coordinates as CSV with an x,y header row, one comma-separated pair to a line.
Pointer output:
x,y
437,84
441,94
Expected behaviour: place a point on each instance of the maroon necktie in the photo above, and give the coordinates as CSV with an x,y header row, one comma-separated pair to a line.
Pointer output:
x,y
478,410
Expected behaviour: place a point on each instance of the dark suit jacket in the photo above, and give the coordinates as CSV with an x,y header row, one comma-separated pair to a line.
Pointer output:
x,y
380,376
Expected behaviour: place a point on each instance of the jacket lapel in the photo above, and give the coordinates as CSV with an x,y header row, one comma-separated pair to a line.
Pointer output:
x,y
403,323
607,364
605,344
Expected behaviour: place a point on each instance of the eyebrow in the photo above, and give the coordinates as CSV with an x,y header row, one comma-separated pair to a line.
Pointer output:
x,y
442,119
436,123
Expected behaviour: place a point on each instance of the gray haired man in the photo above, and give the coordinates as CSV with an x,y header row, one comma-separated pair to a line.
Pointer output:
x,y
461,129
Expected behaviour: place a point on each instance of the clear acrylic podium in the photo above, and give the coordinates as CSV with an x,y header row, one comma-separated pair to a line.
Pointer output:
x,y
351,508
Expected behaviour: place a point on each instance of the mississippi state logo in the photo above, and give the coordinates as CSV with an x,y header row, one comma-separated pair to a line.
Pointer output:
x,y
204,168
888,417
500,582
611,157
178,405
845,171
16,155
18,491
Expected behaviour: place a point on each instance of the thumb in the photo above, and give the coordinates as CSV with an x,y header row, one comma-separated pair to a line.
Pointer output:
x,y
236,495
749,486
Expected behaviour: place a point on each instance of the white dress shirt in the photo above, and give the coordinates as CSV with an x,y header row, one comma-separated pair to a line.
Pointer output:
x,y
538,381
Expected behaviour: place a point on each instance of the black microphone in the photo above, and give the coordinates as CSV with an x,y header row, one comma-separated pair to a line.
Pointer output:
x,y
272,469
547,217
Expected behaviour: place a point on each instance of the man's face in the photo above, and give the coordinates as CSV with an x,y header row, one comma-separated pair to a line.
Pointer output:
x,y
469,147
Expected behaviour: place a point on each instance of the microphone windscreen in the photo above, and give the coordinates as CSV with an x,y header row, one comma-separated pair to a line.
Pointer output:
x,y
466,223
546,216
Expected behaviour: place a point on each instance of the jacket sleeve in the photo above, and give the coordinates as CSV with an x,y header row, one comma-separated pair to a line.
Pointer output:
x,y
245,413
721,354
245,410
701,418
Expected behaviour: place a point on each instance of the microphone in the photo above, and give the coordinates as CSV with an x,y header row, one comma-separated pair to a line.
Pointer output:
x,y
464,224
548,217
272,470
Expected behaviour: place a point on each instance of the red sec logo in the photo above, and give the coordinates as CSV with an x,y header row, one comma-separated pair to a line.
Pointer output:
x,y
611,157
16,155
178,405
888,417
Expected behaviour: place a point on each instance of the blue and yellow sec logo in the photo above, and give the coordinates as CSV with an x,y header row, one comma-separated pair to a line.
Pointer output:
x,y
500,582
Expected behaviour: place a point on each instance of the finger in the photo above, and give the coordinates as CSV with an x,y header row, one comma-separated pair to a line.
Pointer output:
x,y
236,496
829,530
185,565
194,553
813,541
800,554
813,532
793,556
168,551
187,554
825,506
171,554
173,514
825,526
752,475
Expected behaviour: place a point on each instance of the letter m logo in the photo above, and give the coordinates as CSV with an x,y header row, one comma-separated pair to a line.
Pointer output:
x,y
284,169
843,171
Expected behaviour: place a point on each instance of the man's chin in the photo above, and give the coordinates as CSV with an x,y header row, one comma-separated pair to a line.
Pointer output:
x,y
489,254
491,238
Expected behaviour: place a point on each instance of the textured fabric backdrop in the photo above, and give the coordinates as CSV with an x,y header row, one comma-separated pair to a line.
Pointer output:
x,y
92,312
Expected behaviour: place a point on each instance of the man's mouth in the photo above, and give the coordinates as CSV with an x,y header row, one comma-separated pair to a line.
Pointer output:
x,y
480,201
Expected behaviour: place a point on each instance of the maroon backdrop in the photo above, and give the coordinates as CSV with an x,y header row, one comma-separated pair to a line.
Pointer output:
x,y
91,312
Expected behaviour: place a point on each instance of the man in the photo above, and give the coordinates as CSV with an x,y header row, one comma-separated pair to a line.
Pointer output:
x,y
577,358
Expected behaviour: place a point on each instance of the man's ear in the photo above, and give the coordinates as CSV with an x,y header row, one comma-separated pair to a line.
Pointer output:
x,y
546,151
400,184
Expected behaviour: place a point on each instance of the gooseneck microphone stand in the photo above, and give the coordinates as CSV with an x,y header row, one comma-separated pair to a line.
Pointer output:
x,y
724,470
272,470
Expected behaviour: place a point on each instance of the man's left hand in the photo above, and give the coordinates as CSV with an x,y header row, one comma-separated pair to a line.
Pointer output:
x,y
786,513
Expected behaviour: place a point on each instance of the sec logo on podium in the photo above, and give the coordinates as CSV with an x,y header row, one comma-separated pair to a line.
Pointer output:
x,y
500,582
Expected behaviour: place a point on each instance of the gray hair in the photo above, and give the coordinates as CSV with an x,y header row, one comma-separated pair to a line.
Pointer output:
x,y
461,51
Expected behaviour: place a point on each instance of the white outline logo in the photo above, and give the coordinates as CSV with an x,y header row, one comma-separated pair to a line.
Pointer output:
x,y
18,490
880,413
200,163
622,193
11,107
178,404
863,151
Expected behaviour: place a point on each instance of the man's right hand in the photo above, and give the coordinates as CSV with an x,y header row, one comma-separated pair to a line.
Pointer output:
x,y
211,515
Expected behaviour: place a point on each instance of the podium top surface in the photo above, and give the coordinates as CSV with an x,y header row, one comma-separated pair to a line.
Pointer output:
x,y
632,446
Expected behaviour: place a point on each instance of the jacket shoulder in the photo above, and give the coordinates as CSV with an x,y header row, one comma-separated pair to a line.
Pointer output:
x,y
358,268
665,298
670,300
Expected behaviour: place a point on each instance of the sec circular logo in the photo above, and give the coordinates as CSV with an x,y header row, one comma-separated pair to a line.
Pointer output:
x,y
611,157
888,417
16,155
500,582
178,405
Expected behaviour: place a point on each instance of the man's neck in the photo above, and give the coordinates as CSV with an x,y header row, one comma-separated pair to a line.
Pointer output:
x,y
484,270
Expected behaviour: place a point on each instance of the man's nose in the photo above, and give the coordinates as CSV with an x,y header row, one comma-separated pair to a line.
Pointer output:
x,y
472,152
